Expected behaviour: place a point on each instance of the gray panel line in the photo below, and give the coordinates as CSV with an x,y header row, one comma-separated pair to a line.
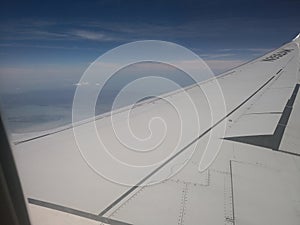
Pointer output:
x,y
232,199
75,212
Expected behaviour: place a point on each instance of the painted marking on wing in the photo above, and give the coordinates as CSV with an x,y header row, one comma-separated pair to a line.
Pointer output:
x,y
279,71
75,212
272,141
277,55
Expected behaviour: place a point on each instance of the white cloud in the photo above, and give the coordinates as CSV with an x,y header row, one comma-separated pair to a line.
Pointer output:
x,y
220,66
82,83
217,55
42,77
90,35
256,50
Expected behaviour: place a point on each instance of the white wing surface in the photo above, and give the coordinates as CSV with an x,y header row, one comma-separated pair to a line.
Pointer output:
x,y
254,179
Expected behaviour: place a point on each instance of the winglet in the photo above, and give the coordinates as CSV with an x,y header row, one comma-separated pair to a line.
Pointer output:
x,y
297,38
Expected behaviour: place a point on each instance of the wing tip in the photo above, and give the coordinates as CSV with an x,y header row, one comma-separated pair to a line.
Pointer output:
x,y
297,38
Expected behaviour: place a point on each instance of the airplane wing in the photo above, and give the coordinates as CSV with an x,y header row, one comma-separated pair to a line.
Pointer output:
x,y
254,178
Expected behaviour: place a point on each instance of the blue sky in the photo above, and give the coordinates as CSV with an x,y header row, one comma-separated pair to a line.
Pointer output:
x,y
47,45
76,32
